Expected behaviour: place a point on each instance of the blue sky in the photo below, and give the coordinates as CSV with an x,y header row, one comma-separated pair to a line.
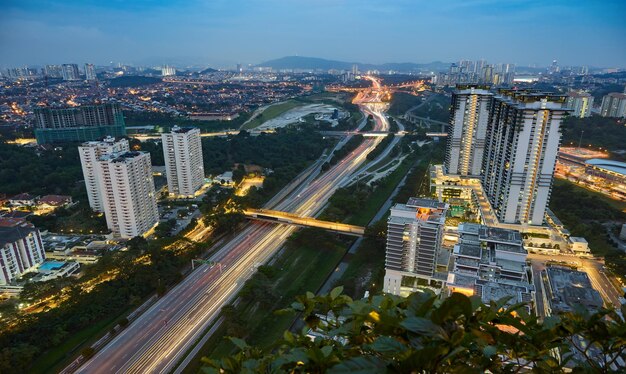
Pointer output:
x,y
224,32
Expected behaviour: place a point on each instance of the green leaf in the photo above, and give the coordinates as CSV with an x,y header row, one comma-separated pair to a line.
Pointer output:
x,y
423,326
288,336
327,350
240,343
550,322
386,344
359,365
336,292
490,350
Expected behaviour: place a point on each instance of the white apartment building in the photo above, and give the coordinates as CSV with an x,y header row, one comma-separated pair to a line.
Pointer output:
x,y
90,72
415,232
167,71
614,105
90,153
128,193
184,166
21,249
580,103
468,129
522,142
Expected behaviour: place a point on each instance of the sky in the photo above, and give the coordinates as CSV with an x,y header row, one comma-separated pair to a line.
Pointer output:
x,y
221,33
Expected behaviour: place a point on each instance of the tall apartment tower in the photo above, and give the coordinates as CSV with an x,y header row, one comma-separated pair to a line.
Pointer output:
x,y
415,232
90,153
580,103
83,123
523,139
70,72
21,249
128,193
184,166
90,72
614,105
468,127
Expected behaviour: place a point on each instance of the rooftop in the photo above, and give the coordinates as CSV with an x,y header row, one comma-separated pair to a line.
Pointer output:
x,y
182,130
614,166
417,202
496,234
11,234
467,250
569,287
577,239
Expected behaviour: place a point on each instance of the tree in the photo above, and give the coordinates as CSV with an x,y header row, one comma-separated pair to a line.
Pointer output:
x,y
424,334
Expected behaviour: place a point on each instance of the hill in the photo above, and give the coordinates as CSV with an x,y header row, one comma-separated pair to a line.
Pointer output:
x,y
315,63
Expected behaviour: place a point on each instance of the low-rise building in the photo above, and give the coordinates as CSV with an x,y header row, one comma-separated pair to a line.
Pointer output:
x,y
55,269
23,200
52,202
490,262
566,288
579,245
225,179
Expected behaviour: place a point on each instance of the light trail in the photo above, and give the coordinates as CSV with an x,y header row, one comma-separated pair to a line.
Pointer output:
x,y
159,338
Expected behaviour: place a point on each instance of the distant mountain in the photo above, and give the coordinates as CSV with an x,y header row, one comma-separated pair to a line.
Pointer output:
x,y
315,63
207,71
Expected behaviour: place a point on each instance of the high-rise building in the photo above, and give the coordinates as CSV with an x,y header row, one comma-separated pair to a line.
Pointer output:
x,y
614,105
554,68
580,103
167,71
84,123
469,114
415,232
184,166
128,193
90,153
521,146
70,72
355,70
21,249
53,71
487,74
90,72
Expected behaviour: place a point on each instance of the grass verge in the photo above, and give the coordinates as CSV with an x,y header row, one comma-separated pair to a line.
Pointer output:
x,y
271,112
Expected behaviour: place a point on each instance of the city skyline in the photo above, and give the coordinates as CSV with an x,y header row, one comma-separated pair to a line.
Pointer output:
x,y
187,33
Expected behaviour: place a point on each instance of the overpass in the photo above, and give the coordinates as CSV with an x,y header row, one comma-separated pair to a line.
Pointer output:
x,y
424,121
294,219
366,134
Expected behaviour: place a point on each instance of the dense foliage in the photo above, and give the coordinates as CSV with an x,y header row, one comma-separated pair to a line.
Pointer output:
x,y
83,307
288,148
401,102
380,147
342,152
40,172
596,132
424,334
584,213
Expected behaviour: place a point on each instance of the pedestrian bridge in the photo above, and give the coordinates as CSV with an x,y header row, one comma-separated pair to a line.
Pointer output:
x,y
294,219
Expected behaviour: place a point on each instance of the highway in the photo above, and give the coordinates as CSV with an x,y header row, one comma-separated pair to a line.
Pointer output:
x,y
294,219
159,338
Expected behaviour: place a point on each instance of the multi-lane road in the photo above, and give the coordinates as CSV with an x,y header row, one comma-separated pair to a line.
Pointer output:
x,y
157,340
